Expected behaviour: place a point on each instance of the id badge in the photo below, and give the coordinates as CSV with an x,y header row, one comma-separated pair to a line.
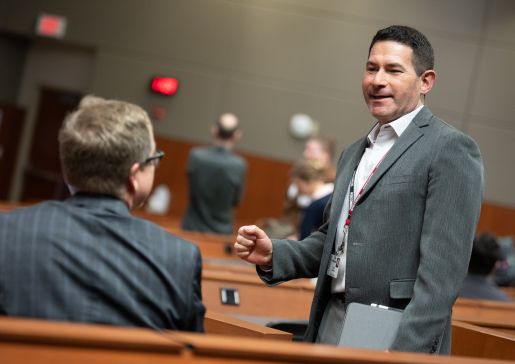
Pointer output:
x,y
332,270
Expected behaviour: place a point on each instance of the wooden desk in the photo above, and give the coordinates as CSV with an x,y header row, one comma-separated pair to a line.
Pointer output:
x,y
220,324
265,351
491,314
25,341
510,292
210,245
237,267
37,341
291,300
9,206
481,342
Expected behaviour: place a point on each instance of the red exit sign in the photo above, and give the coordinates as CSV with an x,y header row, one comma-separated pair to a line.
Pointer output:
x,y
53,26
164,85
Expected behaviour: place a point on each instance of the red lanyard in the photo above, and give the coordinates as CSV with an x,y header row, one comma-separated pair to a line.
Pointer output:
x,y
351,191
352,204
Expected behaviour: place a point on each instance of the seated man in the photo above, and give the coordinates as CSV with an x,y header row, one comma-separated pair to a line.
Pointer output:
x,y
86,259
479,282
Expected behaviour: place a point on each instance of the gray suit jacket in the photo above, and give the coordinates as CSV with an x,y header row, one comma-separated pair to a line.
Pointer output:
x,y
87,259
216,177
411,234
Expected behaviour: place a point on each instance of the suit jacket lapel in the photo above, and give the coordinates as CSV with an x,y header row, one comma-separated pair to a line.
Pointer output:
x,y
351,160
412,133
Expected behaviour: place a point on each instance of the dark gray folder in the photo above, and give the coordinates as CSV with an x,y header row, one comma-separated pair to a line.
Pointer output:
x,y
369,327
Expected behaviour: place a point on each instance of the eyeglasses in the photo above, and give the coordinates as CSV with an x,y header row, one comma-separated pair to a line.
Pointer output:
x,y
154,159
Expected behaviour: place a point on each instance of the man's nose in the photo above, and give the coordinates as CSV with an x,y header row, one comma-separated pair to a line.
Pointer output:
x,y
380,78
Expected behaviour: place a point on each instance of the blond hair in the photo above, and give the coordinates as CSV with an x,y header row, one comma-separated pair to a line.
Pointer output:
x,y
99,143
309,170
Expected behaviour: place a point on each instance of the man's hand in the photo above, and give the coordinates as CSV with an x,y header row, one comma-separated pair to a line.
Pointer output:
x,y
253,245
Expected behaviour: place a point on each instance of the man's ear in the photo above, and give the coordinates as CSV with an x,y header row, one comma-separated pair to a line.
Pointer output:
x,y
237,135
428,80
132,182
214,131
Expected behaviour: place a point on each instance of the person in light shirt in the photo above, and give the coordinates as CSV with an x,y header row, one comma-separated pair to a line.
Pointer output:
x,y
398,229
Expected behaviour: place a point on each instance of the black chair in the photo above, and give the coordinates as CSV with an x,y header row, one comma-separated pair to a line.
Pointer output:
x,y
295,327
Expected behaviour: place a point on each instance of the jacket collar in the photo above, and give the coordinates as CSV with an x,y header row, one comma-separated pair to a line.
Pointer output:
x,y
412,133
99,202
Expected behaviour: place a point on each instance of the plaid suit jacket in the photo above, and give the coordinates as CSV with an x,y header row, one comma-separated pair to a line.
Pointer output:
x,y
87,259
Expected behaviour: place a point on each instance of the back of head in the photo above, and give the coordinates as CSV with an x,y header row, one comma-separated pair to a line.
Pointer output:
x,y
100,141
485,253
226,127
423,55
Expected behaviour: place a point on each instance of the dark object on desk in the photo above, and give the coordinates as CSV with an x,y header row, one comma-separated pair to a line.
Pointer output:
x,y
295,327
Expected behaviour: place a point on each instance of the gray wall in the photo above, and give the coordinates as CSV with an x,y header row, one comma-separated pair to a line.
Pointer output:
x,y
12,58
50,65
268,59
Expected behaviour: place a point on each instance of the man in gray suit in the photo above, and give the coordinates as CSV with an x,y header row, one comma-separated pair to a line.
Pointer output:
x,y
86,259
216,178
398,231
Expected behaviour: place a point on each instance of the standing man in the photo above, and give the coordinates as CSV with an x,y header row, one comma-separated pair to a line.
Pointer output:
x,y
216,179
398,231
87,259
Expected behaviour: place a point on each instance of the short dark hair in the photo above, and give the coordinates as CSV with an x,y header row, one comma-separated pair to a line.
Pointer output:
x,y
485,253
423,55
223,131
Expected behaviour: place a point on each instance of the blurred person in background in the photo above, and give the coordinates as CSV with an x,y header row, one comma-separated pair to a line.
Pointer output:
x,y
485,258
310,178
321,150
504,274
216,179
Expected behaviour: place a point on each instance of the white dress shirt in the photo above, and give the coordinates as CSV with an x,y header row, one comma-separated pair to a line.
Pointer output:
x,y
380,140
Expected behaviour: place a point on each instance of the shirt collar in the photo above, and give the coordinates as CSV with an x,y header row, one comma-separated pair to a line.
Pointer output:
x,y
398,125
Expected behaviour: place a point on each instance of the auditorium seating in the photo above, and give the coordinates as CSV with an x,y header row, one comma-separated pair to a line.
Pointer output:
x,y
24,341
482,329
218,323
36,341
255,301
481,342
490,314
510,292
210,245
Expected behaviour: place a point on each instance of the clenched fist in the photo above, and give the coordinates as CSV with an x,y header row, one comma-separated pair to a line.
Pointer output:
x,y
253,245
